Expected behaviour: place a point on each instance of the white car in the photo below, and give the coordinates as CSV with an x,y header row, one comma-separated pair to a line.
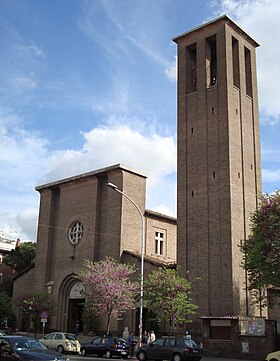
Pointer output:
x,y
62,342
273,356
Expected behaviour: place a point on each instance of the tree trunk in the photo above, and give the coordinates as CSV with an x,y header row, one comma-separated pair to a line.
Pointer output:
x,y
108,323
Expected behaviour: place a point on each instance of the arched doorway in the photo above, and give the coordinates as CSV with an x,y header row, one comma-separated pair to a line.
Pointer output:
x,y
76,308
70,304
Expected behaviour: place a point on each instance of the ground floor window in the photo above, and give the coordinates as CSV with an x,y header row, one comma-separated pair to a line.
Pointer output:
x,y
220,329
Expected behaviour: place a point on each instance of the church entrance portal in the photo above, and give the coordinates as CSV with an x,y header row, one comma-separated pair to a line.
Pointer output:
x,y
76,308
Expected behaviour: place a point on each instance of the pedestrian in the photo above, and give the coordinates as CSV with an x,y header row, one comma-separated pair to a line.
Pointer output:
x,y
131,343
125,333
152,337
145,338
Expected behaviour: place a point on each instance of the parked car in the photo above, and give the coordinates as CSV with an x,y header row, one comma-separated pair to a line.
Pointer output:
x,y
62,342
107,346
170,348
19,348
273,356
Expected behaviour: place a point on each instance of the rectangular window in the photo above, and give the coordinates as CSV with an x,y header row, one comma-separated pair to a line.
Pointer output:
x,y
191,68
211,61
235,63
159,243
248,72
220,329
1,278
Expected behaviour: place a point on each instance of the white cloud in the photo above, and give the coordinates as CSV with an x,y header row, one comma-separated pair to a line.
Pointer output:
x,y
27,220
25,82
154,155
171,71
33,48
22,154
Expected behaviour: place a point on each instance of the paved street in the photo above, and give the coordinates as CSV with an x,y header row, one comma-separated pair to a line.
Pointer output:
x,y
89,358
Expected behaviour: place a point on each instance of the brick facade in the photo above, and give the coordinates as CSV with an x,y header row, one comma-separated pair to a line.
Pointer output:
x,y
111,227
219,170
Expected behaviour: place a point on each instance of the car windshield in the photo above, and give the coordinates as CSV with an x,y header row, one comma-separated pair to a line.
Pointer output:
x,y
27,343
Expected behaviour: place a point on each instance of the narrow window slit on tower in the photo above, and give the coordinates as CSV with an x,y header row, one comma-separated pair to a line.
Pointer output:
x,y
211,61
235,63
192,193
214,175
236,111
191,69
238,174
248,72
212,110
192,130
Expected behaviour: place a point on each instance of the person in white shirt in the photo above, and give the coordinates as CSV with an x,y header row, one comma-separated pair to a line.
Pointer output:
x,y
152,337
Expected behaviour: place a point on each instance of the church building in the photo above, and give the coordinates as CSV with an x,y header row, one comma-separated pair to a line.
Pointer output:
x,y
82,218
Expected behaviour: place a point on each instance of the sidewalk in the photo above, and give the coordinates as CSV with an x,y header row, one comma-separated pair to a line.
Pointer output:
x,y
214,358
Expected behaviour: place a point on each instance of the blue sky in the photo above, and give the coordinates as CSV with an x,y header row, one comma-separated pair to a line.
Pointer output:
x,y
86,84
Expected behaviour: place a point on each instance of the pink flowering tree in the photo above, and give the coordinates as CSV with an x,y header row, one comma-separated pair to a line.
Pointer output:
x,y
33,304
109,288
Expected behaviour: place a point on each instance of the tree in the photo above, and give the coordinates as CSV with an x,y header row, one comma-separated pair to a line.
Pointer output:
x,y
168,295
21,257
261,251
6,310
109,288
33,304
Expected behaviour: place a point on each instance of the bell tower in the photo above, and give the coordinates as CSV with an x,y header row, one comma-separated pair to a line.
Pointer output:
x,y
219,166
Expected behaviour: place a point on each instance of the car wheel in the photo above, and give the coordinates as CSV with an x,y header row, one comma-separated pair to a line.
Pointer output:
x,y
108,354
142,356
177,357
60,349
83,352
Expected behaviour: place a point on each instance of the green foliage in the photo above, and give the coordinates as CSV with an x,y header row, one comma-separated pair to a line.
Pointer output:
x,y
168,296
88,317
21,257
152,322
32,304
109,288
261,251
6,310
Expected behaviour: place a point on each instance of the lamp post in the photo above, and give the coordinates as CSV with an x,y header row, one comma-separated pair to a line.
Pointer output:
x,y
115,188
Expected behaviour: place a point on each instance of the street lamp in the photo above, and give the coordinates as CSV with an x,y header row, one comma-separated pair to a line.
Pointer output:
x,y
115,188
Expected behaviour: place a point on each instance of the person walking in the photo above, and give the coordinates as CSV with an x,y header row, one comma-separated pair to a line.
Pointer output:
x,y
152,337
131,343
145,338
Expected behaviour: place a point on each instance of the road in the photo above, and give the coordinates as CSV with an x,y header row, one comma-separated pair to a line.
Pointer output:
x,y
92,358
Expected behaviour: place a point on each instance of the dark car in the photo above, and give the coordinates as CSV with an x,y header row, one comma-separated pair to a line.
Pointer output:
x,y
19,348
107,346
170,348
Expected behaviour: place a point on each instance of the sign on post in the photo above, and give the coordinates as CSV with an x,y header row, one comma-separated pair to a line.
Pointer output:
x,y
44,314
44,318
